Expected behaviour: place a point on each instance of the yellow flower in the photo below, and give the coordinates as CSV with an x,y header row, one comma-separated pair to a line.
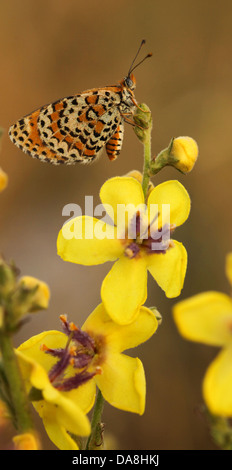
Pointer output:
x,y
3,180
135,243
61,413
67,370
207,318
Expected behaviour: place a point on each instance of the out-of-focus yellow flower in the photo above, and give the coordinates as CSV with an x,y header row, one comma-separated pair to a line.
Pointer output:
x,y
139,240
22,296
207,318
4,415
41,293
67,370
3,180
29,295
26,441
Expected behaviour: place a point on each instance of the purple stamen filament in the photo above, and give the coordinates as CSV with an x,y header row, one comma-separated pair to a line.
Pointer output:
x,y
78,354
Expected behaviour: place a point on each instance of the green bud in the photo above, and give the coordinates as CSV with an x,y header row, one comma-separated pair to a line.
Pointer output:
x,y
30,296
157,314
1,317
7,279
143,121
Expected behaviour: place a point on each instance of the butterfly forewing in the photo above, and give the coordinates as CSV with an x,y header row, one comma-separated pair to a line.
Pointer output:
x,y
73,129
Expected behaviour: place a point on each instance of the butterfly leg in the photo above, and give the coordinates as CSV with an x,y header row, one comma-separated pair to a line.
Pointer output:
x,y
132,123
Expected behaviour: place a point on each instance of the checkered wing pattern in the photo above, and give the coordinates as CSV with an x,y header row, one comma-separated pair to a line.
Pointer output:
x,y
74,129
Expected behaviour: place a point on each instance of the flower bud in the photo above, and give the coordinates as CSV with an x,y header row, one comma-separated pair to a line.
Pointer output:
x,y
7,278
4,415
185,150
3,175
143,121
157,314
181,153
137,175
3,180
26,441
229,267
1,317
30,296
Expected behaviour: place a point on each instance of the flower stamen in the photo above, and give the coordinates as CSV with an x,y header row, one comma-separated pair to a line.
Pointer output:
x,y
78,354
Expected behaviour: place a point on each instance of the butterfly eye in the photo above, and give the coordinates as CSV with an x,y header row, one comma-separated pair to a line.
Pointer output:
x,y
129,83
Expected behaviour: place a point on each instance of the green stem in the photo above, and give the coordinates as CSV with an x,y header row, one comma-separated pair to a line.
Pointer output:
x,y
147,162
17,396
95,438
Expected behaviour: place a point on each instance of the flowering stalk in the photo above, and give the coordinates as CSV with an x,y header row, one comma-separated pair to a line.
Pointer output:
x,y
17,298
19,405
144,122
143,132
220,430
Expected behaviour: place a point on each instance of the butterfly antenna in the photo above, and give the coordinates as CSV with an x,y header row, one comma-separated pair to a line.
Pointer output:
x,y
148,55
135,67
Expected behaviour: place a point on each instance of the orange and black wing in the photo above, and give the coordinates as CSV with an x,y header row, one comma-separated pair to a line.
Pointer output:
x,y
74,129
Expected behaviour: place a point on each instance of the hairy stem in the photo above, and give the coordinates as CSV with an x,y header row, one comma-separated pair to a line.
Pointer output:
x,y
147,162
16,393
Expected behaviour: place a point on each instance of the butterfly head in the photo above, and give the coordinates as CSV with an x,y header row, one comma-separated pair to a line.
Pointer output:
x,y
130,82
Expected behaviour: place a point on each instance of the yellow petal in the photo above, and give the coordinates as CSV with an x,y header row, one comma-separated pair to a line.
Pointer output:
x,y
65,411
59,436
69,415
32,347
122,383
169,269
217,384
124,289
32,372
126,191
206,318
174,194
121,337
97,242
229,267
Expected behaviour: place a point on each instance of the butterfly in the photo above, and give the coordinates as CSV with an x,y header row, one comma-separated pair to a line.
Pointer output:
x,y
76,128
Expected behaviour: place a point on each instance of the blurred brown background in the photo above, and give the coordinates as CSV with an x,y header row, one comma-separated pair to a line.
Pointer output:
x,y
51,49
